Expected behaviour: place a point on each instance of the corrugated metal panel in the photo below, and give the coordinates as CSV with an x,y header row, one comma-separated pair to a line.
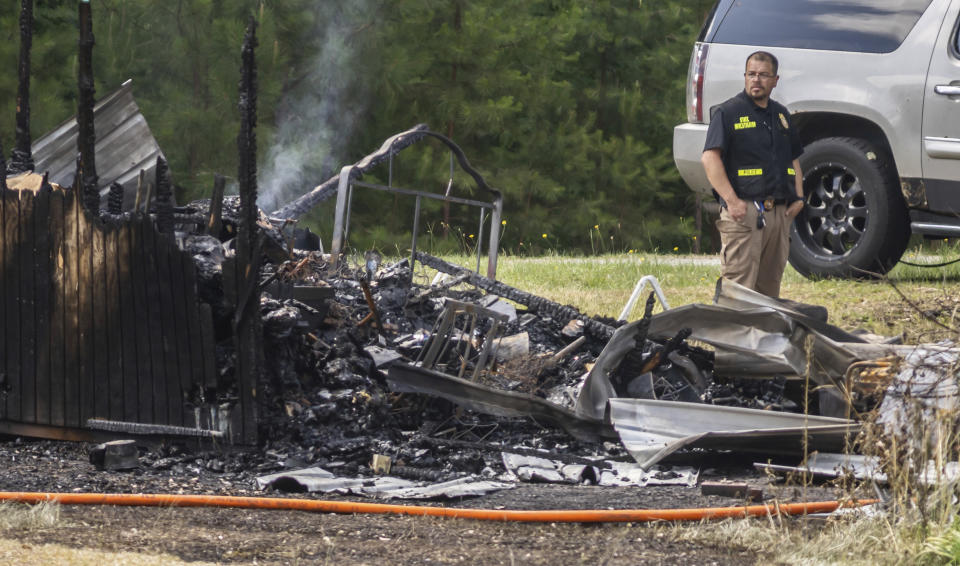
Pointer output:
x,y
125,145
652,430
830,465
383,487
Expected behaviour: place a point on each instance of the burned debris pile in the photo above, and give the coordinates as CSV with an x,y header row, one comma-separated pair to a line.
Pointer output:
x,y
327,400
440,378
216,321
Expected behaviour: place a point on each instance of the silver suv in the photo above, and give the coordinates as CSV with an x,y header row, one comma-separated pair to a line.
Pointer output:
x,y
874,89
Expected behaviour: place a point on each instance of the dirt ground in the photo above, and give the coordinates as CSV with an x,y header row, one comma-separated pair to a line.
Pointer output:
x,y
270,537
232,536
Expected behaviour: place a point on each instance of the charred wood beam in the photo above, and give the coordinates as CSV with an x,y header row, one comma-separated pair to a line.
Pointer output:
x,y
72,434
148,197
22,158
86,136
115,199
152,429
197,218
659,354
141,188
247,326
434,289
214,223
561,313
643,327
328,188
3,169
371,304
566,351
247,140
78,178
164,198
248,277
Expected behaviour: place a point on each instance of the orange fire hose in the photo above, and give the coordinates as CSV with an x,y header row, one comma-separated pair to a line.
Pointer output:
x,y
553,516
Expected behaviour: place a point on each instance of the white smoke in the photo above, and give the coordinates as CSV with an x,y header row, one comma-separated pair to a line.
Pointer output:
x,y
317,118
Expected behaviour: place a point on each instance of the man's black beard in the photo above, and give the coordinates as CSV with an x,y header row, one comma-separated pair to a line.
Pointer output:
x,y
758,99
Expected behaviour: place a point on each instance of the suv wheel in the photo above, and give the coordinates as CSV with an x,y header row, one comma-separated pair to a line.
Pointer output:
x,y
855,221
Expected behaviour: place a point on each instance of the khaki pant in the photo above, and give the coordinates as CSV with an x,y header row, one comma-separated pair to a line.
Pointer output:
x,y
751,257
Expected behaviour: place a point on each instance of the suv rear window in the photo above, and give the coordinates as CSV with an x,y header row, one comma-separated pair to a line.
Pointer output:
x,y
956,39
868,26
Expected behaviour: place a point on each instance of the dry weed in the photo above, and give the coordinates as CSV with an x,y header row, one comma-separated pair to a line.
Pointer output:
x,y
23,517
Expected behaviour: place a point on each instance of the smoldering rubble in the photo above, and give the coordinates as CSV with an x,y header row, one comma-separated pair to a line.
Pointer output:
x,y
432,374
419,378
381,378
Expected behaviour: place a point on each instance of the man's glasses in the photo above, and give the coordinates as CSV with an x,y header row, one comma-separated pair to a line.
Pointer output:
x,y
754,75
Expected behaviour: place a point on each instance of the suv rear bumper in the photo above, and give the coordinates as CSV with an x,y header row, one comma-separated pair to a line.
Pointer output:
x,y
688,142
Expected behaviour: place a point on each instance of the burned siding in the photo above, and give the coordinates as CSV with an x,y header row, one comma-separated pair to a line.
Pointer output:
x,y
100,319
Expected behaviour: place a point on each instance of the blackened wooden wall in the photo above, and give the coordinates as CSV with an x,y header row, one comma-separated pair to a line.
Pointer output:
x,y
98,320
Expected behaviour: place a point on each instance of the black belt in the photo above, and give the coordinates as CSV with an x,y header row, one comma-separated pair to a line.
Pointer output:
x,y
770,202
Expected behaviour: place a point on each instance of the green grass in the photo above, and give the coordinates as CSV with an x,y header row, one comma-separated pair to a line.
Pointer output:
x,y
601,285
860,541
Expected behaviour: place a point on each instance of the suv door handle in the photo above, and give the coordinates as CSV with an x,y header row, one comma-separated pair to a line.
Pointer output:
x,y
947,90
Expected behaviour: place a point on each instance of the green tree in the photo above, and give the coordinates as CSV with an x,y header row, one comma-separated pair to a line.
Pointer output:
x,y
53,61
183,57
567,107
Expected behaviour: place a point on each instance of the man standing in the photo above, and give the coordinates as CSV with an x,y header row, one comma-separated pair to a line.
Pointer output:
x,y
750,158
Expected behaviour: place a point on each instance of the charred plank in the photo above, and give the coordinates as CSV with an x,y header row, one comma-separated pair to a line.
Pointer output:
x,y
247,324
86,133
563,313
164,198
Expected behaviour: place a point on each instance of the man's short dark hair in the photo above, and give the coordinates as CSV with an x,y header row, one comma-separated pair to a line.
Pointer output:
x,y
765,57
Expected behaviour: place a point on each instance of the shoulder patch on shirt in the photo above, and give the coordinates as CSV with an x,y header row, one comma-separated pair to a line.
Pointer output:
x,y
744,123
783,120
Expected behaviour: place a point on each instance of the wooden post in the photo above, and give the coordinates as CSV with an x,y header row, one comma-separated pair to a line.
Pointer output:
x,y
148,196
247,326
141,187
215,220
115,199
22,159
3,170
86,136
164,198
43,280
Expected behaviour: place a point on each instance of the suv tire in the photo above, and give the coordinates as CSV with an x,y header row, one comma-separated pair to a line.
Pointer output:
x,y
855,222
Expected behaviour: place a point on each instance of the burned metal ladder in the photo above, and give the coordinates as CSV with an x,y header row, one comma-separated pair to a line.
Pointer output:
x,y
348,181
